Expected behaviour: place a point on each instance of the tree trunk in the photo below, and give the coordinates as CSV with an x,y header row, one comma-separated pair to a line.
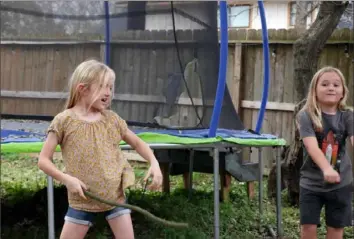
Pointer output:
x,y
301,16
309,46
307,50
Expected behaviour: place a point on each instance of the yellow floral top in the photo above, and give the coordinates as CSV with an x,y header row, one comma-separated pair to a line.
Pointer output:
x,y
91,153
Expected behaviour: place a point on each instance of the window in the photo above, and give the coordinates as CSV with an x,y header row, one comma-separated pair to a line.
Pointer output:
x,y
306,9
292,17
346,20
238,16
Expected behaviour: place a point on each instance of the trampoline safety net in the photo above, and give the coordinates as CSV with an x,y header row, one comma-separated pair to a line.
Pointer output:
x,y
165,54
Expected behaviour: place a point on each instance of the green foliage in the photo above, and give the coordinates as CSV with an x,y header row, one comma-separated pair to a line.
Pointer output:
x,y
239,218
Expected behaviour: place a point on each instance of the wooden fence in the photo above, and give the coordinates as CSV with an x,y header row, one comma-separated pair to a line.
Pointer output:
x,y
34,75
245,80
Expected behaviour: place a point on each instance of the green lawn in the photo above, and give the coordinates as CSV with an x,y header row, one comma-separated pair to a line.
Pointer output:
x,y
24,207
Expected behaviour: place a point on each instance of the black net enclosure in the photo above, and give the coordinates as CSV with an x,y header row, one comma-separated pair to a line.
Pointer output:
x,y
165,54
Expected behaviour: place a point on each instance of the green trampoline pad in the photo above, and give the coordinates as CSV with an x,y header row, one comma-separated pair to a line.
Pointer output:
x,y
154,138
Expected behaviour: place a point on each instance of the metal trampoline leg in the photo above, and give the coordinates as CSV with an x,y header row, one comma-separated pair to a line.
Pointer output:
x,y
278,206
260,190
50,201
190,179
216,193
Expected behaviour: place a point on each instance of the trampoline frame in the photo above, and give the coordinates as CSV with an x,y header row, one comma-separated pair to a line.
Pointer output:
x,y
214,149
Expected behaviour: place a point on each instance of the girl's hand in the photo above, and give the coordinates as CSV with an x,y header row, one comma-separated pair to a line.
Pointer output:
x,y
155,172
331,175
75,186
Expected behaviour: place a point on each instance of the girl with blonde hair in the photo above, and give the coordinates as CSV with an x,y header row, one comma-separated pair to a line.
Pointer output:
x,y
89,135
325,123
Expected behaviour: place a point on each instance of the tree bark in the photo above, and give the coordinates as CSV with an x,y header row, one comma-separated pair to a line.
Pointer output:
x,y
306,52
301,16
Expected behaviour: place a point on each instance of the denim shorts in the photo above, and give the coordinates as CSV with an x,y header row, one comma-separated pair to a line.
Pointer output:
x,y
87,218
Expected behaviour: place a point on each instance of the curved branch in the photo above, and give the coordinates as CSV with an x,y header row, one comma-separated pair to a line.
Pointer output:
x,y
140,210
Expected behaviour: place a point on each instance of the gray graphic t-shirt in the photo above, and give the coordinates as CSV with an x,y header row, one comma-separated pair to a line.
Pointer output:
x,y
332,141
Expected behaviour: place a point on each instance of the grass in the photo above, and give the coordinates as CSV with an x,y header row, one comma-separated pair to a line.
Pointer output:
x,y
24,207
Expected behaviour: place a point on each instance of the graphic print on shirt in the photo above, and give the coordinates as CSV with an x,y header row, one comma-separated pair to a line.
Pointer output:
x,y
330,147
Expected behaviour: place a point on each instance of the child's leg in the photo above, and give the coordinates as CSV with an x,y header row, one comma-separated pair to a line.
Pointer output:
x,y
338,211
334,233
76,225
310,210
73,231
120,223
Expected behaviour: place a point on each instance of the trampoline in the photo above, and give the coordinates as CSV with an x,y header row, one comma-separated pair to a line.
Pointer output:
x,y
194,140
219,127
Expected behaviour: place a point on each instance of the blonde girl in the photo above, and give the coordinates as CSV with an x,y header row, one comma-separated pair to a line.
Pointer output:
x,y
89,135
326,178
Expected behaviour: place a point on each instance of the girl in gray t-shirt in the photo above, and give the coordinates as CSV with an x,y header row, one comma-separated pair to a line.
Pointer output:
x,y
326,178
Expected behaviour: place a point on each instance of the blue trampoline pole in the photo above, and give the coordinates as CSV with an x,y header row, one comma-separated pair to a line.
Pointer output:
x,y
107,34
266,71
265,68
222,70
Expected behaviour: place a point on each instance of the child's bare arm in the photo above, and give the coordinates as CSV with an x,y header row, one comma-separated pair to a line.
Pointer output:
x,y
350,126
316,153
145,151
45,162
311,145
140,146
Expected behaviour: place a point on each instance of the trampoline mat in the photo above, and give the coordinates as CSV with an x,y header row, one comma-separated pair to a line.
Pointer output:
x,y
22,142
